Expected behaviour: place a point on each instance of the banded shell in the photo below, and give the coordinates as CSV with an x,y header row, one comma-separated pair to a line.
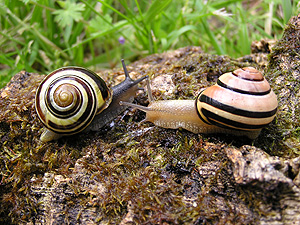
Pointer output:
x,y
68,99
241,100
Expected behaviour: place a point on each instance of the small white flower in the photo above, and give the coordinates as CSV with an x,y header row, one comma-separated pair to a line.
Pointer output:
x,y
221,12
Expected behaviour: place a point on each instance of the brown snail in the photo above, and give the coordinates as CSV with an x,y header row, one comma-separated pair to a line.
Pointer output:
x,y
240,103
74,99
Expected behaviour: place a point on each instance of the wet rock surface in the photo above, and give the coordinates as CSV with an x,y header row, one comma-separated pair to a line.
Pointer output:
x,y
132,172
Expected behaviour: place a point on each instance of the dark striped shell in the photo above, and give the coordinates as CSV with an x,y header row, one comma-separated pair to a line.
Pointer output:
x,y
68,99
241,100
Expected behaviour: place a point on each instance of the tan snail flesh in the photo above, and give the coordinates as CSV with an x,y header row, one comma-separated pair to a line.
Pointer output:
x,y
240,103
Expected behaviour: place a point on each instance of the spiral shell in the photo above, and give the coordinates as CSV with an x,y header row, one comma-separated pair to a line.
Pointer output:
x,y
241,100
68,99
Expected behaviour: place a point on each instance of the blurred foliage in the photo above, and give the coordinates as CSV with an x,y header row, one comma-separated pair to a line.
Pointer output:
x,y
42,35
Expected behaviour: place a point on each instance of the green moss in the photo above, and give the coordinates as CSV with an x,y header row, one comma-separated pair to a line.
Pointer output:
x,y
158,175
283,72
159,181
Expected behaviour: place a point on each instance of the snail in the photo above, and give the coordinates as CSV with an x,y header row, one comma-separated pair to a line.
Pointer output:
x,y
240,103
74,99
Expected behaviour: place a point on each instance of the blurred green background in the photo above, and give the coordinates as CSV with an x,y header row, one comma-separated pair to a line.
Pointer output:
x,y
43,35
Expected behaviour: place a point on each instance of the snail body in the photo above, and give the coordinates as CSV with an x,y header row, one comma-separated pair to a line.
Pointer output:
x,y
125,91
72,99
240,103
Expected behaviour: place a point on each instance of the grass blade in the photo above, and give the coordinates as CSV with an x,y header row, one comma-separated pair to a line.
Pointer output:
x,y
219,49
156,8
287,10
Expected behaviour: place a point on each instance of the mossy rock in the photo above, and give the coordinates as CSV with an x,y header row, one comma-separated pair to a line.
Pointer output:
x,y
131,172
284,73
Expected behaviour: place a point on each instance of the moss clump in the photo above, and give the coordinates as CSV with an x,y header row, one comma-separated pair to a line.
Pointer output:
x,y
167,177
283,74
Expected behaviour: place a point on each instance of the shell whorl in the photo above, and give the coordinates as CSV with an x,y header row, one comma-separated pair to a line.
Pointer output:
x,y
68,99
241,100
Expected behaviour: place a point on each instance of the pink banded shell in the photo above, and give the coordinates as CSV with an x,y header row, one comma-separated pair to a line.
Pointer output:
x,y
241,100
